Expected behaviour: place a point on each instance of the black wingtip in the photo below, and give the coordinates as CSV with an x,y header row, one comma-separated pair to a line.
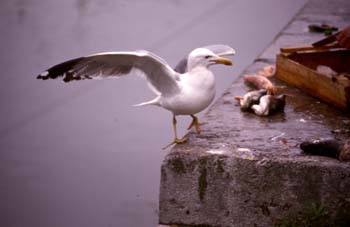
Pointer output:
x,y
43,76
61,70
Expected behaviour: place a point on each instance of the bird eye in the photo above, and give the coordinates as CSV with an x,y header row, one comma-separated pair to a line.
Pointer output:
x,y
208,56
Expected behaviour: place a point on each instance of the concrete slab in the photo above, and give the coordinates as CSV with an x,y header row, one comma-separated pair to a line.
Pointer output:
x,y
246,170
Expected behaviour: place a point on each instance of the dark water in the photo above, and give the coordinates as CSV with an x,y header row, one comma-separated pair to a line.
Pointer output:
x,y
79,154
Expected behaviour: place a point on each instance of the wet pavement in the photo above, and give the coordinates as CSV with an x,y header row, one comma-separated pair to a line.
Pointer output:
x,y
79,154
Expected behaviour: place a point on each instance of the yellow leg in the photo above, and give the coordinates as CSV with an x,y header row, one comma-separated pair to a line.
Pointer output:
x,y
195,123
176,140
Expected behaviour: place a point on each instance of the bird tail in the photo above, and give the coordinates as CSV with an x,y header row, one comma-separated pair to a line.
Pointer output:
x,y
152,102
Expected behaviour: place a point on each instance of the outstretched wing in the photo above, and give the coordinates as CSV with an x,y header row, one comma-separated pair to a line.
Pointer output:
x,y
218,49
221,49
115,64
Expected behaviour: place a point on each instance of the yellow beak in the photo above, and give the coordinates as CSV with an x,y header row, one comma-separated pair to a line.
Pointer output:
x,y
224,61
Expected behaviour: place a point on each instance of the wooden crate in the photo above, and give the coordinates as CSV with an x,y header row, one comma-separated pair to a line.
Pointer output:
x,y
299,69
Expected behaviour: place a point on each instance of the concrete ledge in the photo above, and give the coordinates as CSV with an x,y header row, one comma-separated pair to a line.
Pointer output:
x,y
245,170
228,188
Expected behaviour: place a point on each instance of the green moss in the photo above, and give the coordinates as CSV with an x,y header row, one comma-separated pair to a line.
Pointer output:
x,y
202,180
220,166
314,215
177,165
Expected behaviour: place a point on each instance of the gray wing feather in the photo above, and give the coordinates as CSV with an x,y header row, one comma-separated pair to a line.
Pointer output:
x,y
218,49
181,67
221,49
116,64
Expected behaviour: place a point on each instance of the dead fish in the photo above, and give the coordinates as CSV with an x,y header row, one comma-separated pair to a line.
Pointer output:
x,y
269,104
344,76
333,75
267,71
250,98
322,147
260,82
327,147
327,71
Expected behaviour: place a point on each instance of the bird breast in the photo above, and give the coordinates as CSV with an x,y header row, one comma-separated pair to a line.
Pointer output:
x,y
197,92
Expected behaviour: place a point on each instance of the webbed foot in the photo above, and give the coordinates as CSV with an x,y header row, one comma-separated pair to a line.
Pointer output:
x,y
176,141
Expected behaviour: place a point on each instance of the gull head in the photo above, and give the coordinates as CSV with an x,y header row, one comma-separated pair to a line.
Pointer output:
x,y
202,57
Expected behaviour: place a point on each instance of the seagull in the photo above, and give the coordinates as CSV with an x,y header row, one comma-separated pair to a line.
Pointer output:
x,y
186,90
